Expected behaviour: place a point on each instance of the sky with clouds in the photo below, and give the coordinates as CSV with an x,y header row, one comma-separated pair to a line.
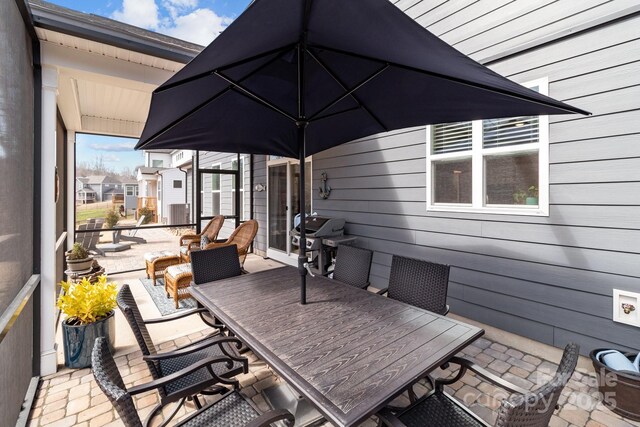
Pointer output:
x,y
116,153
197,21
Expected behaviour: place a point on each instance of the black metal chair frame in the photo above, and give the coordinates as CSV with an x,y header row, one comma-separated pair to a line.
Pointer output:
x,y
523,408
220,343
353,266
110,382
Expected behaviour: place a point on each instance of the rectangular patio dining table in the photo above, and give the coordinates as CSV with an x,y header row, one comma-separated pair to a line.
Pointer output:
x,y
348,351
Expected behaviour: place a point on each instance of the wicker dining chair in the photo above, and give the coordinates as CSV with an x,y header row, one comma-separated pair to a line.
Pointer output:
x,y
210,265
231,410
420,283
242,237
165,364
194,241
523,408
353,266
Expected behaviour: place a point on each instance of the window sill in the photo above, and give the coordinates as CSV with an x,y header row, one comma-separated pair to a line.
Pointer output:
x,y
493,210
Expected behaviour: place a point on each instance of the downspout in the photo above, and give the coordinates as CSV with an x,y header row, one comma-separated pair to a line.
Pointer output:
x,y
158,201
186,191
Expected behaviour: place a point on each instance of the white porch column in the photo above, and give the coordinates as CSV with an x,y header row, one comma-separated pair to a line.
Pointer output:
x,y
48,356
71,187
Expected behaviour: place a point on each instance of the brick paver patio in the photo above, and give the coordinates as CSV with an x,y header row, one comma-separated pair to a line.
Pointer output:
x,y
131,259
72,398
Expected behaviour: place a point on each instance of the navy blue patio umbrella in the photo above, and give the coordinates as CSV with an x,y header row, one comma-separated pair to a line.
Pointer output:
x,y
295,77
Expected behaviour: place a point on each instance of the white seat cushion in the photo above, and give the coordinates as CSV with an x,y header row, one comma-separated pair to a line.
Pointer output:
x,y
183,249
175,270
152,256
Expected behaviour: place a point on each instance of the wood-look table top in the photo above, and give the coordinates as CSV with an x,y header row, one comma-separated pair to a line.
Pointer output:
x,y
349,351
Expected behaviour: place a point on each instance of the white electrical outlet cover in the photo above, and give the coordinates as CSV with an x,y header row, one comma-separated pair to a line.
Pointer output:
x,y
633,300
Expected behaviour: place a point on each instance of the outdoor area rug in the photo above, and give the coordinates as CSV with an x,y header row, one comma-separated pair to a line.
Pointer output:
x,y
165,305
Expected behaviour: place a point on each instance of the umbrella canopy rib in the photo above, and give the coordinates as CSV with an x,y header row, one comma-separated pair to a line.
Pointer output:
x,y
219,94
254,96
349,92
342,84
568,108
280,50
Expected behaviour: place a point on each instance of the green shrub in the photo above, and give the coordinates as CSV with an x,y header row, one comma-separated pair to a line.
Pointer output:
x,y
112,218
148,215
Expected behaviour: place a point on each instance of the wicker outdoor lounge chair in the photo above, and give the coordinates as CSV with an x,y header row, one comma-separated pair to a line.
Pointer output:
x,y
353,266
210,265
165,364
242,237
191,241
232,410
420,283
524,408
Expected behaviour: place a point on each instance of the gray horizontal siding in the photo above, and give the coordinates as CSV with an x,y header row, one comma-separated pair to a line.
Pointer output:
x,y
548,278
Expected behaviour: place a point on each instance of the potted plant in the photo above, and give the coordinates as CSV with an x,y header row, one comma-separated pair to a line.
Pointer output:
x,y
89,310
78,258
532,196
519,197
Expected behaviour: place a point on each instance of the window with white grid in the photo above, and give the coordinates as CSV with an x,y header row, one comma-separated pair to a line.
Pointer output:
x,y
492,165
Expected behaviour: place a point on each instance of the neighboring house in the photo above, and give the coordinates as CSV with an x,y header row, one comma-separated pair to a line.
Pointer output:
x,y
167,178
130,189
84,193
105,186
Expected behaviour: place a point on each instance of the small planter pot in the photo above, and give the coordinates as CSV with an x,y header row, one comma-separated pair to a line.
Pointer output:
x,y
78,340
620,392
80,264
531,201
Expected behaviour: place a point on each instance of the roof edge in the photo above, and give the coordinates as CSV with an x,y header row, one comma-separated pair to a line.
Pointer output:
x,y
104,30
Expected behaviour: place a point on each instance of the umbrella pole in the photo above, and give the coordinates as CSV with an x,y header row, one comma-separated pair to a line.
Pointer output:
x,y
302,255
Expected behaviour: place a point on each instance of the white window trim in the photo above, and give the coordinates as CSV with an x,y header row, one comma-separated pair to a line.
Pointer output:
x,y
477,169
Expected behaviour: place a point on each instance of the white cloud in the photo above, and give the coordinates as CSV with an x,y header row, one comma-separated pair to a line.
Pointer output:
x,y
141,13
178,18
111,158
177,7
200,26
113,146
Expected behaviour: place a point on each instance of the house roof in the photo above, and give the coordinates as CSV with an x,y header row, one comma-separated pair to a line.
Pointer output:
x,y
102,179
86,190
104,30
113,190
83,179
128,180
148,171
